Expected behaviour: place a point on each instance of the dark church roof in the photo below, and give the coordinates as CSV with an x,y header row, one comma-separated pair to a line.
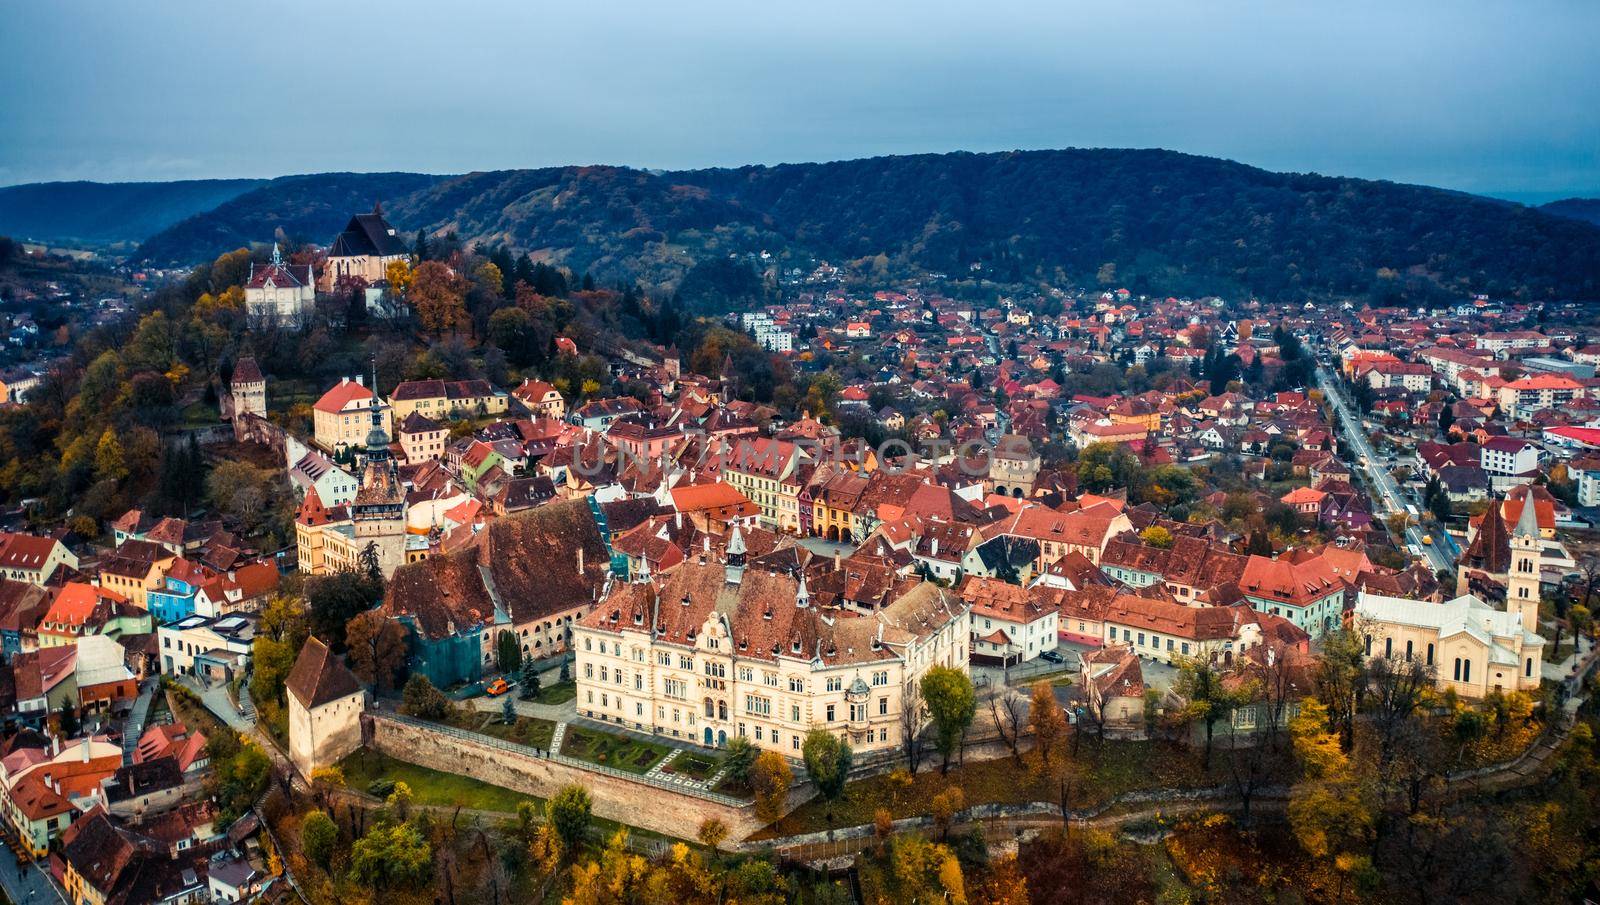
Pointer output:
x,y
367,234
1490,551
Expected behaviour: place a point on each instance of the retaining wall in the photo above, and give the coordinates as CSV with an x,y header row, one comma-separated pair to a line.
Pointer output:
x,y
615,797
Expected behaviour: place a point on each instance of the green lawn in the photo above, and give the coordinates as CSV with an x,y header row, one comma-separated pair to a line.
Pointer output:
x,y
429,787
618,751
526,730
199,414
559,693
436,789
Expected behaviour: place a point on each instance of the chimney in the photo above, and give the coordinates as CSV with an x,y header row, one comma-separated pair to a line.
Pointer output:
x,y
343,381
361,380
580,562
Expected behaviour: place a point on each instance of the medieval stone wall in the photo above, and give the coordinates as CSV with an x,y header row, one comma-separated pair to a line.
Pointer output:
x,y
635,803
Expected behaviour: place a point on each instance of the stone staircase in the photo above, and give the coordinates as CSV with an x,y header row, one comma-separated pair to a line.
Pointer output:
x,y
133,726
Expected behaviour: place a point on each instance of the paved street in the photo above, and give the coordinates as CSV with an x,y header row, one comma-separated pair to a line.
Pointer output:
x,y
32,886
1378,478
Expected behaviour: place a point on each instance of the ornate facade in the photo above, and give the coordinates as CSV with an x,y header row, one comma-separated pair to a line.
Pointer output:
x,y
710,651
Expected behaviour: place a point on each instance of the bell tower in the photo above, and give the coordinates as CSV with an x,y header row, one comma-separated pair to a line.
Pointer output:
x,y
1522,579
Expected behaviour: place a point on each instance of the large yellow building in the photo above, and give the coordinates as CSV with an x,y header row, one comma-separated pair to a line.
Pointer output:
x,y
342,418
446,399
771,473
710,651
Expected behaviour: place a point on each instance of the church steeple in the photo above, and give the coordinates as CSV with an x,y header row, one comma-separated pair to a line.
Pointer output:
x,y
735,558
1527,556
377,438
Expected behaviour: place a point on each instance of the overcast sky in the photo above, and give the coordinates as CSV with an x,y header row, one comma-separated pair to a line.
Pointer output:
x,y
1492,97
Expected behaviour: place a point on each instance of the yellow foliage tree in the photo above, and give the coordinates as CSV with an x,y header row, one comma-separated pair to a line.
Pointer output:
x,y
771,778
398,273
109,461
923,871
1330,809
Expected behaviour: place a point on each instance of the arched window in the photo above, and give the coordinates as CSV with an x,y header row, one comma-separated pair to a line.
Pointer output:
x,y
1457,673
710,708
1527,668
1466,670
1430,654
1388,648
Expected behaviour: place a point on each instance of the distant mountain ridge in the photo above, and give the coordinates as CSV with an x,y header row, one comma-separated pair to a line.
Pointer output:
x,y
109,212
1166,222
292,209
1148,220
1585,209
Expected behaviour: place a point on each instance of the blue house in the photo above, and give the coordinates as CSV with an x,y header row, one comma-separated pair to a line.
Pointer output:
x,y
175,599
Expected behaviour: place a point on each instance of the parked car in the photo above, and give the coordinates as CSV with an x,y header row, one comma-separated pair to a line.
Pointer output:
x,y
497,687
1052,656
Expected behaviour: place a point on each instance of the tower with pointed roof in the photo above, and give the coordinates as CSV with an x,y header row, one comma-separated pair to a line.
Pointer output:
x,y
248,388
735,558
379,509
325,702
1522,578
1486,561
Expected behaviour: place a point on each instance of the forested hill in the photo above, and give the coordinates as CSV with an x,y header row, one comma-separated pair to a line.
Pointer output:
x,y
1171,222
1585,209
1151,221
292,209
108,213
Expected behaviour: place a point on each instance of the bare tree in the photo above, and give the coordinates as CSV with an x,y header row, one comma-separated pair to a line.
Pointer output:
x,y
911,725
1007,711
1247,756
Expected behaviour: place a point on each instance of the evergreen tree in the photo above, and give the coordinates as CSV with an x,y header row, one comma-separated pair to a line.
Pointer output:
x,y
420,251
529,679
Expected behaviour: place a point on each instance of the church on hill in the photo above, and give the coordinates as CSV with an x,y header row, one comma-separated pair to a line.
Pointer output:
x,y
364,250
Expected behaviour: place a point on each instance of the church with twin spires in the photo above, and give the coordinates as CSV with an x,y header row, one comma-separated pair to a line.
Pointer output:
x,y
1472,646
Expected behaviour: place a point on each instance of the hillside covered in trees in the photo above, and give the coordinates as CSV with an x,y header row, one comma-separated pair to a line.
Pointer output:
x,y
1151,221
291,209
109,213
1585,209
